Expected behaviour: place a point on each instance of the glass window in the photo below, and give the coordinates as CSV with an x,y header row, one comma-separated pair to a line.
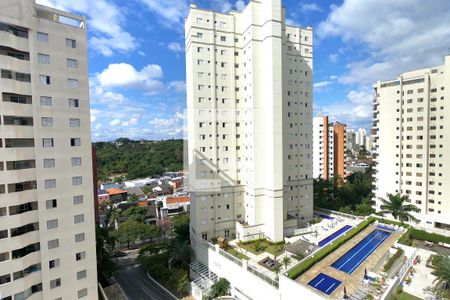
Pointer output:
x,y
44,79
72,63
53,244
74,122
71,43
80,256
73,83
47,142
49,162
50,183
82,293
43,59
77,180
78,219
46,101
76,161
55,283
51,224
73,103
75,142
77,199
42,37
79,237
47,122
52,203
81,274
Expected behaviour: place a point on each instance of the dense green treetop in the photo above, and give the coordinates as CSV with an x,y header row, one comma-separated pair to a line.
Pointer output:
x,y
138,159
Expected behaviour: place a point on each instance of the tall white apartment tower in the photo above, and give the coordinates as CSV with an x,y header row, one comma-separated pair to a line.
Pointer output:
x,y
412,141
323,148
249,108
47,232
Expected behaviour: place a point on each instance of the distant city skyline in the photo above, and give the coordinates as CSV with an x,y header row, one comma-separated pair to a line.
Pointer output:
x,y
136,57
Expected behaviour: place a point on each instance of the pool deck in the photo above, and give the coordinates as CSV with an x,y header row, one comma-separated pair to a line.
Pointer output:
x,y
352,282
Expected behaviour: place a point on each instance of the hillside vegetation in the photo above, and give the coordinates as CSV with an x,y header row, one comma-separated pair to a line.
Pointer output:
x,y
138,159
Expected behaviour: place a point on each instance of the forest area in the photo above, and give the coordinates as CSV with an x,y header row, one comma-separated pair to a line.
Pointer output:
x,y
126,159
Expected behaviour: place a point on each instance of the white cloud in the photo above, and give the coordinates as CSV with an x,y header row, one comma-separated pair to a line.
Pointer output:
x,y
126,76
115,122
292,22
106,21
179,86
322,84
309,7
175,47
333,57
399,35
169,126
130,122
170,12
240,5
355,110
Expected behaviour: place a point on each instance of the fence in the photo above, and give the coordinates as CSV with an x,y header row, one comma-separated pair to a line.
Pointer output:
x,y
262,276
230,257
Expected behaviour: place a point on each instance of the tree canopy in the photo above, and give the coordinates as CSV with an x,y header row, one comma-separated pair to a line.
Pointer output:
x,y
397,206
137,159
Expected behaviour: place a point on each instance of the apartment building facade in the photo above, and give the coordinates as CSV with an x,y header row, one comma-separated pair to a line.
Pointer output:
x,y
329,148
47,232
249,106
411,141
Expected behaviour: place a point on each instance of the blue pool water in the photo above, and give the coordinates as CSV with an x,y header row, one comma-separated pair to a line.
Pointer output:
x,y
334,235
355,256
323,216
324,283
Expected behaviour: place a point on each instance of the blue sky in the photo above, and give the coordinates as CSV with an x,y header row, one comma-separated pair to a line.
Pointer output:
x,y
137,67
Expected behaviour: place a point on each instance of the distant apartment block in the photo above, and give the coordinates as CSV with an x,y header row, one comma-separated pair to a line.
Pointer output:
x,y
47,223
412,142
249,106
329,147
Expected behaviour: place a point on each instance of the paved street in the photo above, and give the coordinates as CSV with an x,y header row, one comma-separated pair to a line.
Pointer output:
x,y
137,285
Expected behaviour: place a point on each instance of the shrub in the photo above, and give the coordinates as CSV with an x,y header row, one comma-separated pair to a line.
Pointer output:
x,y
430,237
405,239
393,259
319,255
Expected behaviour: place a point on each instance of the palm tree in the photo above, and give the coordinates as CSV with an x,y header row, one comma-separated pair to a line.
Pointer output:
x,y
286,261
441,266
395,205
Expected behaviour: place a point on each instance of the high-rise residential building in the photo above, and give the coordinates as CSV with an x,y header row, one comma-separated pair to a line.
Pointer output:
x,y
249,109
368,143
412,142
329,147
47,233
361,137
351,139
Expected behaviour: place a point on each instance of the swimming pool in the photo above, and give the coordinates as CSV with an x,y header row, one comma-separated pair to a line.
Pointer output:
x,y
323,216
324,283
355,256
334,235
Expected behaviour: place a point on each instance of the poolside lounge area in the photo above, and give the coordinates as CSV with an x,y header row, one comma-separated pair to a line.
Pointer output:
x,y
352,282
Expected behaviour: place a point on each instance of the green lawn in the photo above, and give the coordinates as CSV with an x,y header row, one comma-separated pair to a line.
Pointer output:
x,y
236,253
259,246
406,296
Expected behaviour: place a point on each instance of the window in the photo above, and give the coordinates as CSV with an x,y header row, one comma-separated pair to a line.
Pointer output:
x,y
22,208
47,122
50,183
81,274
78,219
53,244
42,37
47,142
4,256
199,34
79,237
77,180
51,224
223,38
43,59
73,83
74,122
82,293
71,43
52,203
76,161
55,283
80,256
46,101
49,163
75,142
72,63
5,279
54,263
73,103
77,199
44,79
